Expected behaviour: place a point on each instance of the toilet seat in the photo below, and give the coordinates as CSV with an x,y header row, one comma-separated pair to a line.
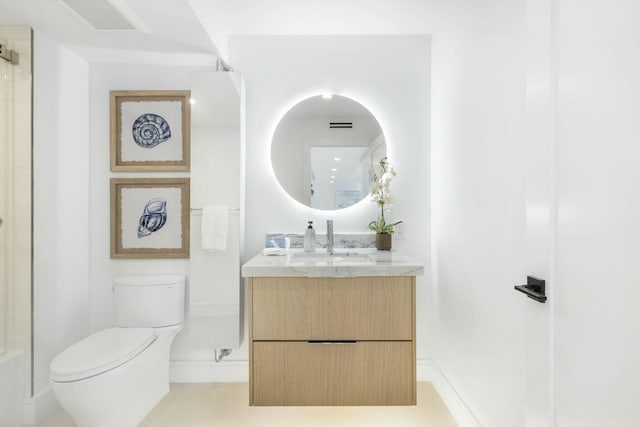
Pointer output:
x,y
100,352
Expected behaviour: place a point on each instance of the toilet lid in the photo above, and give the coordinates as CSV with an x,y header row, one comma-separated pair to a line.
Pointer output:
x,y
100,352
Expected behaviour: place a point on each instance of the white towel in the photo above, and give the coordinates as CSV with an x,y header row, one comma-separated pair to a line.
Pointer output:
x,y
215,223
274,251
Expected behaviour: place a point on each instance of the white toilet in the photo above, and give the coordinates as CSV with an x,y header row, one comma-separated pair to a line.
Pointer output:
x,y
116,376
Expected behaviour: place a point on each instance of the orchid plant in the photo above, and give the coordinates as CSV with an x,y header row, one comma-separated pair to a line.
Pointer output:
x,y
381,194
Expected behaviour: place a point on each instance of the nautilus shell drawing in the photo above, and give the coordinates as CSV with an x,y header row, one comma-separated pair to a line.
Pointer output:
x,y
150,130
153,218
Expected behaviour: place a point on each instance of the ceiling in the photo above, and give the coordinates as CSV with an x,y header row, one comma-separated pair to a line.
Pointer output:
x,y
173,27
196,31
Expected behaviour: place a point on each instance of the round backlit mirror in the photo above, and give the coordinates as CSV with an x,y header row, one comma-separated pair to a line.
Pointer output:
x,y
323,149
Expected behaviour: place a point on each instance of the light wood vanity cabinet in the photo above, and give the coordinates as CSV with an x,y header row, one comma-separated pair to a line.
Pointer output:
x,y
332,341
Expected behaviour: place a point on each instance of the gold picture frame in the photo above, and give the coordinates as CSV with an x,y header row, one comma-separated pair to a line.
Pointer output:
x,y
150,217
150,130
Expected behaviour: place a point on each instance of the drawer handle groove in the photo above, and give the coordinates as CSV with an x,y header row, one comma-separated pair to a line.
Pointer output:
x,y
326,342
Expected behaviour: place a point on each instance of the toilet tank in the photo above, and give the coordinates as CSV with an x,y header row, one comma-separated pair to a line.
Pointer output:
x,y
152,301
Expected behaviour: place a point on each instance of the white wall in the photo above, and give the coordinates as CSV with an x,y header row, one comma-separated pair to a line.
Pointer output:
x,y
478,205
389,75
60,202
478,192
215,179
597,346
106,77
73,272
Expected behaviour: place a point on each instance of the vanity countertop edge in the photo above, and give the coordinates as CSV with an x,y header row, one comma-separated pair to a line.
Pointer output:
x,y
377,263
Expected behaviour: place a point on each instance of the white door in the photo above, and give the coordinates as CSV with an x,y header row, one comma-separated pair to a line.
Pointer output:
x,y
540,207
583,213
597,319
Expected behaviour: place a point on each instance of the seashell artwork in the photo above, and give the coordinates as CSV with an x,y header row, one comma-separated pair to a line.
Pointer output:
x,y
150,130
153,218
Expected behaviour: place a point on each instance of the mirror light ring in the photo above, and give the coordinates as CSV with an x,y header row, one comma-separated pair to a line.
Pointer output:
x,y
278,120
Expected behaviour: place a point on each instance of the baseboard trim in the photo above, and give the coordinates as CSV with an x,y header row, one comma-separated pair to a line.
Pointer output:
x,y
39,407
449,396
424,370
208,371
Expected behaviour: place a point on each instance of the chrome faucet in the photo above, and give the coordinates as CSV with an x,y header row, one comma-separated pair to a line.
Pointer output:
x,y
330,237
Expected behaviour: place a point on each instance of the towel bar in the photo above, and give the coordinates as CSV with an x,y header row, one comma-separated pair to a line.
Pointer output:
x,y
200,209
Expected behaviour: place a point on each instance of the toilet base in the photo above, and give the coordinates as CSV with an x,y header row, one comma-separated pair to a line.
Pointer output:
x,y
124,395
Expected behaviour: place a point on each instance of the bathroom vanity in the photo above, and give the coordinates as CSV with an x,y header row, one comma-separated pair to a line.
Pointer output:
x,y
332,330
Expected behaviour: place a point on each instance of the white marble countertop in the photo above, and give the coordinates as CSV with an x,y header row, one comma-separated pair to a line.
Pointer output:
x,y
352,262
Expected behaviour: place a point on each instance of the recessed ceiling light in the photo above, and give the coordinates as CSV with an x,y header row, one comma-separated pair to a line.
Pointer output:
x,y
334,170
337,159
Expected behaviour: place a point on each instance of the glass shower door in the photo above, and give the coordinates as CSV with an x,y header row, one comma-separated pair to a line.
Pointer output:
x,y
4,141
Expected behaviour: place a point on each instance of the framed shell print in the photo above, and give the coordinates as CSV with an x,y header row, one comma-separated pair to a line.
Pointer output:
x,y
150,130
150,217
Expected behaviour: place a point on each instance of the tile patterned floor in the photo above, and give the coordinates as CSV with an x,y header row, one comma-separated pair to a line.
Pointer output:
x,y
226,405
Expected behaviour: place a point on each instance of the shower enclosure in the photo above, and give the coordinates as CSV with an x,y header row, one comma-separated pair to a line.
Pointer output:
x,y
3,204
15,222
3,197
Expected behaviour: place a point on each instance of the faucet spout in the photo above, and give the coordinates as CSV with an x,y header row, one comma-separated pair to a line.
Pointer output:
x,y
330,237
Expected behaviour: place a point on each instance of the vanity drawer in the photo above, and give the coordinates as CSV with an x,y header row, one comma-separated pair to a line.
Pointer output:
x,y
361,373
357,308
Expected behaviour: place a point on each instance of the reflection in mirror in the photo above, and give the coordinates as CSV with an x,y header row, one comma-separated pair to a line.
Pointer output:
x,y
323,149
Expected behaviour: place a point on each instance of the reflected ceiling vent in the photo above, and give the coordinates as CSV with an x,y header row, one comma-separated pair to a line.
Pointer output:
x,y
340,125
106,15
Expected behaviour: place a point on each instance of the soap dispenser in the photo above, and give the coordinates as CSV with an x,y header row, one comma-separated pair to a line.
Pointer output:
x,y
310,238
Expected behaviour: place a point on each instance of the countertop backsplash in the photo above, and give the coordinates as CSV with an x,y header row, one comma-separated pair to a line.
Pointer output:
x,y
340,240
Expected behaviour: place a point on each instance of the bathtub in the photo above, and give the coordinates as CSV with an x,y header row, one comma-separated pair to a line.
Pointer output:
x,y
11,388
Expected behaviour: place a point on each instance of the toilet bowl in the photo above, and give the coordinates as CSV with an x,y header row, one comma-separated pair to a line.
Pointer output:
x,y
116,376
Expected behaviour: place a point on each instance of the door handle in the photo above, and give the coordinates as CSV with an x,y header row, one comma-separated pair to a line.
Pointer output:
x,y
534,289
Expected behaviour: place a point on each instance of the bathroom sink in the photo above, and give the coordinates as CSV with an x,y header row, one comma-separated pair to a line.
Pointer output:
x,y
342,256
